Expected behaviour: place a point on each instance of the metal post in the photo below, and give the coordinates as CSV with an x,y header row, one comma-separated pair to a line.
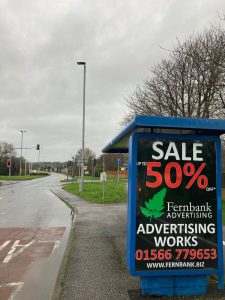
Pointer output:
x,y
103,181
92,169
83,129
25,167
38,160
21,150
10,167
73,168
118,169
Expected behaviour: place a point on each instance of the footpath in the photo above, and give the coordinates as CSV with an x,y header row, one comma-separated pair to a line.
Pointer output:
x,y
96,268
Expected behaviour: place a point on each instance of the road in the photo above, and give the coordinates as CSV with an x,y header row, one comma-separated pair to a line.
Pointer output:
x,y
34,230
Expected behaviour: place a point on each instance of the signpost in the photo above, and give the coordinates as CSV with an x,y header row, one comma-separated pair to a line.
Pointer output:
x,y
118,168
174,203
103,179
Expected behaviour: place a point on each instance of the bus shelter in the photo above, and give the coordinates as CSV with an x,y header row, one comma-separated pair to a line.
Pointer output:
x,y
174,236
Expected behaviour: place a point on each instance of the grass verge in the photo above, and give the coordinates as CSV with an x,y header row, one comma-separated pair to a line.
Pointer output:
x,y
115,191
26,177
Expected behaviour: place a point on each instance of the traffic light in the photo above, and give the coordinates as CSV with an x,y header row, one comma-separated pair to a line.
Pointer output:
x,y
70,163
9,162
38,147
95,162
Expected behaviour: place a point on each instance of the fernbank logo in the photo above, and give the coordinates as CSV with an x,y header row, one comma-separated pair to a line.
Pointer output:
x,y
154,207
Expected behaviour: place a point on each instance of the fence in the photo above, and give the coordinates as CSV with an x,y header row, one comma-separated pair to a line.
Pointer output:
x,y
114,174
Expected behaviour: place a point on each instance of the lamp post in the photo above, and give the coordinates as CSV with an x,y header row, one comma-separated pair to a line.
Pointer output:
x,y
83,128
21,150
73,168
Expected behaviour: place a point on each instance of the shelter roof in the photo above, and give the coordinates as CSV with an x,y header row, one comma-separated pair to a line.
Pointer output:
x,y
170,125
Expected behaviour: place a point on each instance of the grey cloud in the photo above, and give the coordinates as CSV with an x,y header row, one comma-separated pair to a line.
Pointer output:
x,y
41,85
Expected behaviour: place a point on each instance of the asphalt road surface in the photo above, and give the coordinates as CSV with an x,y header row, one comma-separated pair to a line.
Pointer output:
x,y
34,230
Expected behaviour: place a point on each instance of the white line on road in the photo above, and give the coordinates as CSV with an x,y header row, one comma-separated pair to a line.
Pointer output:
x,y
13,253
56,244
4,245
18,288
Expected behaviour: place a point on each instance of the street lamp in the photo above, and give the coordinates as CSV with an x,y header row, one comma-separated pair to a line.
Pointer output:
x,y
21,150
83,128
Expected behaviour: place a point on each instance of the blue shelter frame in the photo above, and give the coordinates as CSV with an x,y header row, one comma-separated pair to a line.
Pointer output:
x,y
168,128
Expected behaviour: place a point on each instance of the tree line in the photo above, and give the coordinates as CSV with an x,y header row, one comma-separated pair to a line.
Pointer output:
x,y
107,162
97,164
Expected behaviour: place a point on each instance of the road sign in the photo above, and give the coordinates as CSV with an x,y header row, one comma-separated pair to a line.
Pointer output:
x,y
79,161
103,176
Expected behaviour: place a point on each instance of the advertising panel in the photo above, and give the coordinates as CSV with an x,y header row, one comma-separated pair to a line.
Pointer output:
x,y
176,203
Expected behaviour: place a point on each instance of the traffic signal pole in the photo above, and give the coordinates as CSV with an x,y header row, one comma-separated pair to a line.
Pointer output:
x,y
9,165
38,160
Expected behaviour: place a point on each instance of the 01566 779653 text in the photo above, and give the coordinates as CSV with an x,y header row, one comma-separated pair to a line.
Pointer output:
x,y
184,254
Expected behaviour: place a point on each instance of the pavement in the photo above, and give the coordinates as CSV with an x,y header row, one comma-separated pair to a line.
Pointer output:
x,y
96,267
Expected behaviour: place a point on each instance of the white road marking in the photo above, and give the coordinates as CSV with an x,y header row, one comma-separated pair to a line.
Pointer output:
x,y
13,253
4,245
18,288
57,243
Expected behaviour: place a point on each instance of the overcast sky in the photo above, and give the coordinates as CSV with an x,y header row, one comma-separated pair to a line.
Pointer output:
x,y
41,84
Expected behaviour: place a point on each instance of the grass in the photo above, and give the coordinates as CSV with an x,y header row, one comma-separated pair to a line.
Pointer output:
x,y
115,191
19,178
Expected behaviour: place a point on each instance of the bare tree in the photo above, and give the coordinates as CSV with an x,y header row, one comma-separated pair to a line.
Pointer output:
x,y
6,151
111,160
89,156
190,83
